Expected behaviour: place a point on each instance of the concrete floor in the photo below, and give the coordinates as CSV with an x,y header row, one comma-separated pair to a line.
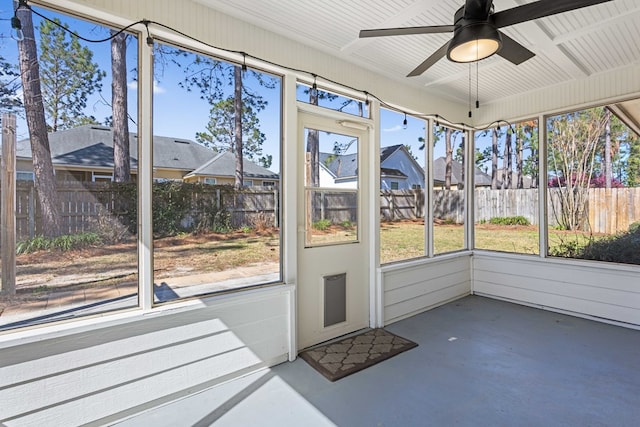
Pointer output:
x,y
480,362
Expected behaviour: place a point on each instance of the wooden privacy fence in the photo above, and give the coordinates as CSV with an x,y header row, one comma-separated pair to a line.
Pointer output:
x,y
85,204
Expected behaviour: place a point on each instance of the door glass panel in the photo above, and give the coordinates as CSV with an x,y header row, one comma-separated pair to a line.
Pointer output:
x,y
331,188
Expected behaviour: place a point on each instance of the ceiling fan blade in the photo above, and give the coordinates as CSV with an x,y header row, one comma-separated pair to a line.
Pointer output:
x,y
435,57
406,31
539,9
513,51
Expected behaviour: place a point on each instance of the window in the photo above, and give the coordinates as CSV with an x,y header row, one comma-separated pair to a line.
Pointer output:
x,y
101,177
593,167
197,247
268,183
92,267
402,160
332,101
448,189
506,192
24,176
331,188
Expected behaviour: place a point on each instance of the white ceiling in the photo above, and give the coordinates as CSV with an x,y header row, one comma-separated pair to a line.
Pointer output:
x,y
568,46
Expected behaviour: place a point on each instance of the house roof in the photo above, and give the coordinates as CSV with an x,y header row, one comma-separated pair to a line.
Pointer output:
x,y
224,164
92,146
439,165
340,166
385,152
390,172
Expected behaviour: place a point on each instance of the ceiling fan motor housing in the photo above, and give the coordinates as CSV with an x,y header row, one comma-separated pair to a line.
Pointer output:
x,y
475,37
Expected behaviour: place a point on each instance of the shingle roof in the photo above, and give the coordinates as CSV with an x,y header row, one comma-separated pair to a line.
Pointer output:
x,y
439,164
224,164
341,166
92,146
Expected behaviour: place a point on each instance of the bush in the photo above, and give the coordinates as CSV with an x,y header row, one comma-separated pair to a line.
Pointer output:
x,y
62,243
509,220
322,224
621,248
635,227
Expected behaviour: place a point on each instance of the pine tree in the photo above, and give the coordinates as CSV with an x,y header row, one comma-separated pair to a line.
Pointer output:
x,y
68,77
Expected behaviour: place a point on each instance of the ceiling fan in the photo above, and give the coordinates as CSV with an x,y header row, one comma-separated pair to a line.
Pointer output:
x,y
476,32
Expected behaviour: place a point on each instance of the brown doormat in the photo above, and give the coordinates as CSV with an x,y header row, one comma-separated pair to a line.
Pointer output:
x,y
339,359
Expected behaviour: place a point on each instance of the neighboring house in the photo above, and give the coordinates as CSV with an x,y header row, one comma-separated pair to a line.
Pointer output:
x,y
85,154
439,167
526,179
221,170
398,170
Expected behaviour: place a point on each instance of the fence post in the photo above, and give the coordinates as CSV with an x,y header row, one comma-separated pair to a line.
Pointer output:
x,y
275,207
8,206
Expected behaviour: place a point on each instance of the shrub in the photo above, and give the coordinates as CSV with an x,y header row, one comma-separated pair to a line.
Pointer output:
x,y
322,224
346,224
509,220
622,248
635,227
63,243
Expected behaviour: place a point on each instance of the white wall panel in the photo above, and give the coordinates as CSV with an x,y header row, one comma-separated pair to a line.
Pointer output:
x,y
600,290
91,375
602,88
418,286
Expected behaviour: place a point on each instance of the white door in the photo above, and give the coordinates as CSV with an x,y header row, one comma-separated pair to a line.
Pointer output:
x,y
333,227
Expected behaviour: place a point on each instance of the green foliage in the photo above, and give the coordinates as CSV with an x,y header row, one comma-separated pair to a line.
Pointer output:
x,y
322,224
346,224
63,243
621,248
219,133
9,85
171,201
635,227
509,220
68,76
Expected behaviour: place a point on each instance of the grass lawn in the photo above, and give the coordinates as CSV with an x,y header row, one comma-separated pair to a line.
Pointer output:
x,y
405,240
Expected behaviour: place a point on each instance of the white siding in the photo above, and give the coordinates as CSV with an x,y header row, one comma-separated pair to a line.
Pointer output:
x,y
413,287
400,161
87,376
599,290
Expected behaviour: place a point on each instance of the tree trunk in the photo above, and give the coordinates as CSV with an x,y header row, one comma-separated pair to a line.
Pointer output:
x,y
494,159
237,106
121,157
313,147
45,183
519,155
448,159
507,165
608,173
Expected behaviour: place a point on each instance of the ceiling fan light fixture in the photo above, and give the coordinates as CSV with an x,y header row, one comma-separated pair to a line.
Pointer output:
x,y
474,42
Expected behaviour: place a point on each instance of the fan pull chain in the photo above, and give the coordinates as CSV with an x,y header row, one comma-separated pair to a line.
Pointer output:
x,y
477,87
470,113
